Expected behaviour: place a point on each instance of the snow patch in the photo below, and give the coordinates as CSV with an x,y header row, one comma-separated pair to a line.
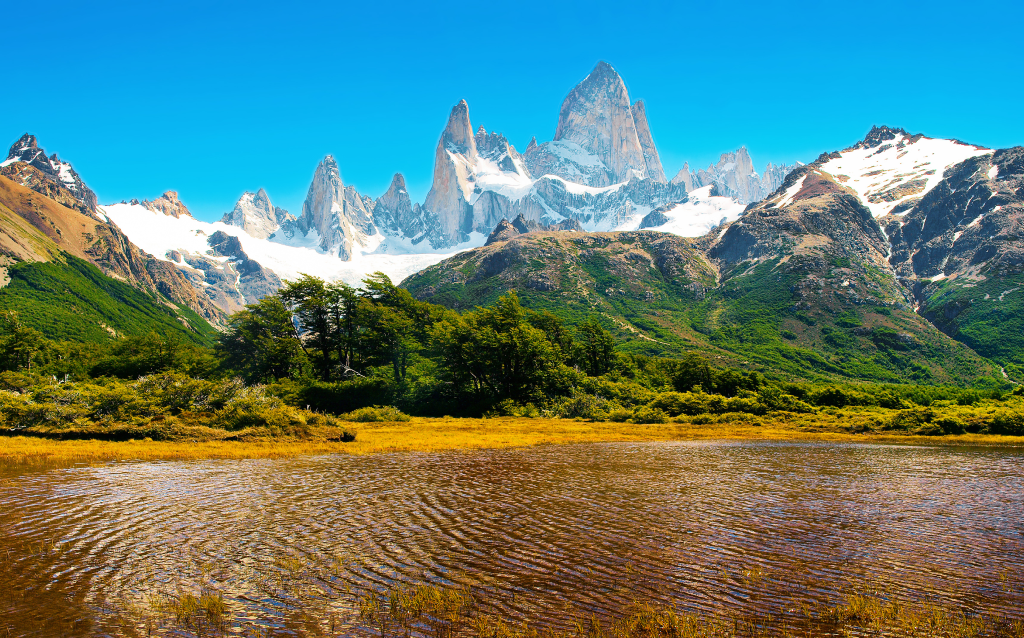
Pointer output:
x,y
159,234
993,172
876,170
787,197
700,214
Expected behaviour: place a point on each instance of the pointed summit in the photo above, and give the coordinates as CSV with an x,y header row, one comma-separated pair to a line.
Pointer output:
x,y
452,189
393,211
25,149
27,165
458,134
168,204
337,213
256,215
596,115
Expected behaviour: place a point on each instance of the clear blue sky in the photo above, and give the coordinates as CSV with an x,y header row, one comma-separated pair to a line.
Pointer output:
x,y
211,99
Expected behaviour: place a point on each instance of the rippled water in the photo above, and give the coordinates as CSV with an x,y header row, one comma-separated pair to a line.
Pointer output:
x,y
703,525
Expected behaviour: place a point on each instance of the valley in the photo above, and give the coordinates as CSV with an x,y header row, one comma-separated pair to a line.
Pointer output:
x,y
564,394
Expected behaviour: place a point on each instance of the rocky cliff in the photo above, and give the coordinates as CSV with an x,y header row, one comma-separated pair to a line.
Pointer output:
x,y
643,130
167,204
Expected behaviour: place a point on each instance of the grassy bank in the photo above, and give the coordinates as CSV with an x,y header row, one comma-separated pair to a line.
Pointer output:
x,y
439,434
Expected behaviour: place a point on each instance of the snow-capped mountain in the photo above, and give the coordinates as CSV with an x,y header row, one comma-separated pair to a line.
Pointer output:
x,y
891,169
256,215
601,172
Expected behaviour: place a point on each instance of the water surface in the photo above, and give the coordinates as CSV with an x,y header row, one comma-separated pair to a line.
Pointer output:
x,y
703,525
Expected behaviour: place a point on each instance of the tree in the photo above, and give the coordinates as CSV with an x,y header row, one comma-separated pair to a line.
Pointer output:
x,y
311,302
20,345
595,348
261,343
496,351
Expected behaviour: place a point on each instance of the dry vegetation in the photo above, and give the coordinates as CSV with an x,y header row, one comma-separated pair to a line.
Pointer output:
x,y
421,434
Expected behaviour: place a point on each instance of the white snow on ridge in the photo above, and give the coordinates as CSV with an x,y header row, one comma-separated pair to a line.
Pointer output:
x,y
873,171
158,234
699,214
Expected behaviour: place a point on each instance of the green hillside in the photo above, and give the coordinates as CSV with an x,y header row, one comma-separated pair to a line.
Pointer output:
x,y
659,296
72,300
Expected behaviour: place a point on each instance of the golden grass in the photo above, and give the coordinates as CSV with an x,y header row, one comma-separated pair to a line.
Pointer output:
x,y
439,434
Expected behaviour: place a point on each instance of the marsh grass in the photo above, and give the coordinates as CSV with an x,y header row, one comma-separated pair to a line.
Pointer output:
x,y
422,434
449,612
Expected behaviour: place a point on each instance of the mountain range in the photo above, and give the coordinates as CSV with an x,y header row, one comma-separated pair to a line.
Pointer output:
x,y
896,258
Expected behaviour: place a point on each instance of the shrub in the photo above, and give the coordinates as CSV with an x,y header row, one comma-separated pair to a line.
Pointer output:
x,y
510,407
1007,422
619,415
909,419
375,414
585,406
647,414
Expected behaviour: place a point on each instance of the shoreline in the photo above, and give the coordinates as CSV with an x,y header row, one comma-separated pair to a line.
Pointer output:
x,y
429,434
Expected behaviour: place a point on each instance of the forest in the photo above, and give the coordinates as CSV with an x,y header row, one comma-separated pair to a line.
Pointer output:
x,y
317,356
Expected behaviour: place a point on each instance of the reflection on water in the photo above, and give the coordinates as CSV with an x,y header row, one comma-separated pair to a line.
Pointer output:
x,y
703,525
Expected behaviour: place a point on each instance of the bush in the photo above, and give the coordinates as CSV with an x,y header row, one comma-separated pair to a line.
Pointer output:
x,y
647,414
375,414
585,406
509,407
910,420
1007,422
619,415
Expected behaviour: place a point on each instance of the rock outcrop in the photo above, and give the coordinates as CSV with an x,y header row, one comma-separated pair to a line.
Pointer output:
x,y
167,204
256,215
506,230
51,177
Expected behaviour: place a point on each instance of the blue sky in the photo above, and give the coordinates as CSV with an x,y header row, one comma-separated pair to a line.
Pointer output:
x,y
212,99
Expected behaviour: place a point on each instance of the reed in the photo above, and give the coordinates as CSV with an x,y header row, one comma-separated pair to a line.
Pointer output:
x,y
450,612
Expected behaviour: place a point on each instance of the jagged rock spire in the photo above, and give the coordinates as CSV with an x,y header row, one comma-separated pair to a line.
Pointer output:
x,y
338,214
597,116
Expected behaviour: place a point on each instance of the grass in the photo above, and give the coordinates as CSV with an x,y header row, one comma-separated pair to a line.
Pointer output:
x,y
421,434
447,612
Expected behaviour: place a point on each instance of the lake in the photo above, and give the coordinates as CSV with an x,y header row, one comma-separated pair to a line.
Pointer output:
x,y
707,526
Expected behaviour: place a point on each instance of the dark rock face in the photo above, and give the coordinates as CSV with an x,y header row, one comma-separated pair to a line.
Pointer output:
x,y
655,218
229,284
970,222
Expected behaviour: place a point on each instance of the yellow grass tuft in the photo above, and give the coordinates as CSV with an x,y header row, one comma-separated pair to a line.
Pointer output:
x,y
422,434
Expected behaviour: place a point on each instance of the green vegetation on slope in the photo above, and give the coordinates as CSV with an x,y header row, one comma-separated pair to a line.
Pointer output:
x,y
74,301
316,348
754,314
811,316
985,314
